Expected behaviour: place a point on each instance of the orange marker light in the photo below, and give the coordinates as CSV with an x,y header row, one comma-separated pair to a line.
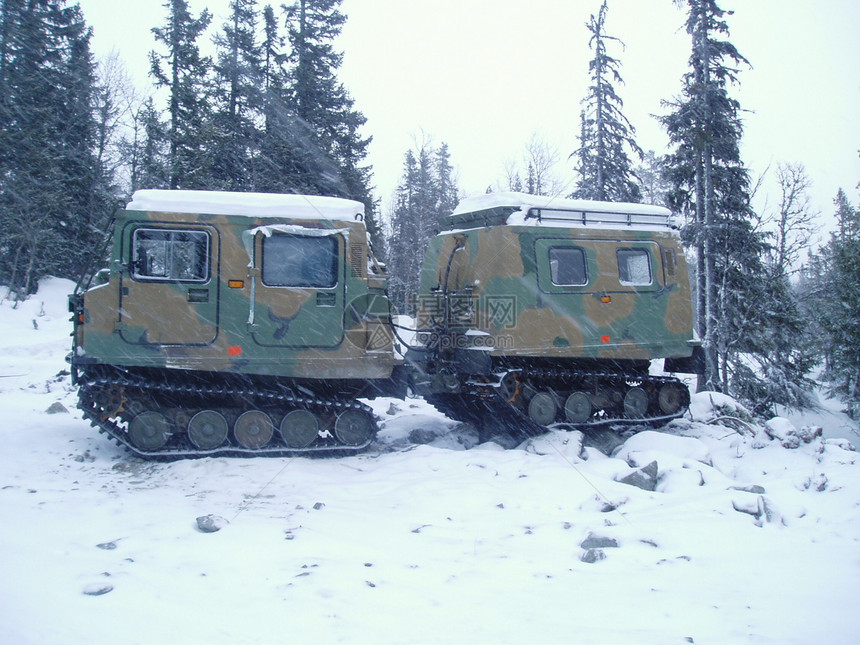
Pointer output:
x,y
605,299
234,350
235,284
604,339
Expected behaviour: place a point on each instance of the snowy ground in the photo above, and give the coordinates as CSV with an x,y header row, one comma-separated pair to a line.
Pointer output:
x,y
743,540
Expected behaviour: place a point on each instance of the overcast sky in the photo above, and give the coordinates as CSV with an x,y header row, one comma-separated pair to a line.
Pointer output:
x,y
485,75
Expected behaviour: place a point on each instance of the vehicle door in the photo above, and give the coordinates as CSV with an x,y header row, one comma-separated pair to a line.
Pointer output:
x,y
299,289
169,284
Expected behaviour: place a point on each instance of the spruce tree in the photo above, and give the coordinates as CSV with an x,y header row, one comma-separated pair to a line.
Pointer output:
x,y
841,302
238,97
774,370
405,238
51,203
711,186
274,60
446,185
316,94
653,185
280,163
326,144
602,160
87,185
149,149
426,193
184,72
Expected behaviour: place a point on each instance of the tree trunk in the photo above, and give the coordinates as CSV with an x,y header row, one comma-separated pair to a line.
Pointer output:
x,y
712,336
14,271
28,275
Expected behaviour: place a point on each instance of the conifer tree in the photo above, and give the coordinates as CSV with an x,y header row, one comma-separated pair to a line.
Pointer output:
x,y
712,187
148,149
280,164
839,301
326,144
405,235
239,100
602,160
446,184
51,202
184,72
653,185
426,193
782,355
274,60
316,94
87,183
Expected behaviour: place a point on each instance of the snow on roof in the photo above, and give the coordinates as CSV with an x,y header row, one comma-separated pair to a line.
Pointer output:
x,y
524,201
246,204
535,210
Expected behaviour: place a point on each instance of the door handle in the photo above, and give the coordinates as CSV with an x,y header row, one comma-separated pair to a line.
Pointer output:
x,y
198,295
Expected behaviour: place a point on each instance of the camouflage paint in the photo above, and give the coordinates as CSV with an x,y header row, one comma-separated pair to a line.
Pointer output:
x,y
209,325
517,310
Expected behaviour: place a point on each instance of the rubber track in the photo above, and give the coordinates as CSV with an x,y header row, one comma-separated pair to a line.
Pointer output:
x,y
515,418
107,426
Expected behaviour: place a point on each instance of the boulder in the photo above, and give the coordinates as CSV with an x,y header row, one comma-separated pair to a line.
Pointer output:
x,y
644,478
594,541
788,435
593,555
211,523
421,436
602,439
56,408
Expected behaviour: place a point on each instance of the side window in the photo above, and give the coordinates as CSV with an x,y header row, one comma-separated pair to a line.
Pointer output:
x,y
634,267
296,261
170,255
567,266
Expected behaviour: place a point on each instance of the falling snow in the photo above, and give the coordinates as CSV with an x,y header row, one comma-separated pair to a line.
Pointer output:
x,y
425,538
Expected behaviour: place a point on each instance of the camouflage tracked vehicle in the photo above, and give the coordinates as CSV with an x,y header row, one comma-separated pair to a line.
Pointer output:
x,y
235,324
537,311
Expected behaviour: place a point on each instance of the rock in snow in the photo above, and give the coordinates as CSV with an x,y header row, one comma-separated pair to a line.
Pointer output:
x,y
97,589
594,541
644,478
56,408
604,440
788,435
761,508
211,523
593,555
422,436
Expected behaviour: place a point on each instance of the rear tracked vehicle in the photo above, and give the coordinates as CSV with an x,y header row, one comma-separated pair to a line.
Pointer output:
x,y
535,311
235,324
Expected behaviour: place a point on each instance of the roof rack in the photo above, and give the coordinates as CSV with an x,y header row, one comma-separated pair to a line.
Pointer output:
x,y
587,217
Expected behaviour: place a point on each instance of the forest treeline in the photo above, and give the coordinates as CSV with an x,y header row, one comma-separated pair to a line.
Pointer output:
x,y
267,113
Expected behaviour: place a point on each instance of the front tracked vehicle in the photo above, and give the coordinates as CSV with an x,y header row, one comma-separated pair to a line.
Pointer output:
x,y
535,311
235,324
